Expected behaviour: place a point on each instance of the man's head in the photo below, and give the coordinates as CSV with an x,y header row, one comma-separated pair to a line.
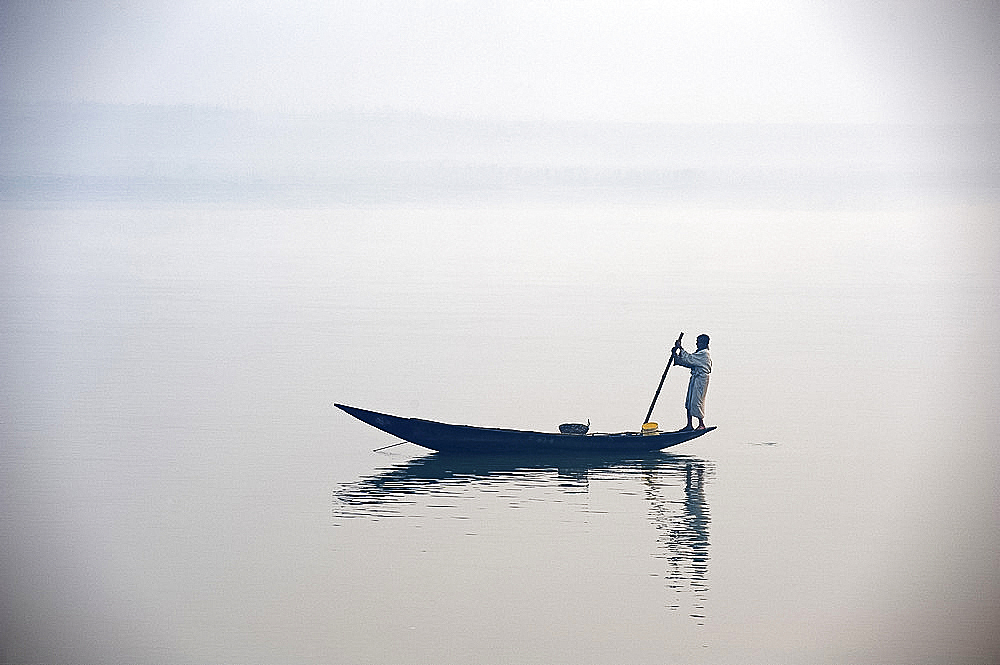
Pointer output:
x,y
702,342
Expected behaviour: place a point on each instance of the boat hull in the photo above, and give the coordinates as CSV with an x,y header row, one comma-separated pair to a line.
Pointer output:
x,y
445,437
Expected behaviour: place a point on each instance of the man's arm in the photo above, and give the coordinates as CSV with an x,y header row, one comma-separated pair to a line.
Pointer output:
x,y
693,360
682,357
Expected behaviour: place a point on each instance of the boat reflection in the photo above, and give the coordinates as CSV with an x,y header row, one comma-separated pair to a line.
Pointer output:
x,y
672,487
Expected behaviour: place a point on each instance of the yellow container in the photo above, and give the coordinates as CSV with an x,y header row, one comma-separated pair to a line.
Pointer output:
x,y
650,428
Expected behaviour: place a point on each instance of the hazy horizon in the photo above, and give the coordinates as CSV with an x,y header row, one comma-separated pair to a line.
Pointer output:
x,y
373,101
107,152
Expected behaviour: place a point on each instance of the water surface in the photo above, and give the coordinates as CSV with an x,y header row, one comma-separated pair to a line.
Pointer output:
x,y
177,487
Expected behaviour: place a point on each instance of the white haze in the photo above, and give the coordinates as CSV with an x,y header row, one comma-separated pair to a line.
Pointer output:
x,y
204,202
732,61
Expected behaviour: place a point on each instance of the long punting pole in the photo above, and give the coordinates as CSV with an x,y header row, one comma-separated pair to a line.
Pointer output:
x,y
663,378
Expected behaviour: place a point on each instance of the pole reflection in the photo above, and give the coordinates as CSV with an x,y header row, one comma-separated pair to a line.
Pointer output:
x,y
672,487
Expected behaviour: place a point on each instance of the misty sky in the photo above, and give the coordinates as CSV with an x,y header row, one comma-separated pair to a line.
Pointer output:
x,y
630,60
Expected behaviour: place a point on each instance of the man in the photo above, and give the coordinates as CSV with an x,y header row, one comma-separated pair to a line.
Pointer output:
x,y
701,366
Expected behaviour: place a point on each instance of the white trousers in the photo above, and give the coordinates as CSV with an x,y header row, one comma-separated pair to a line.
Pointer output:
x,y
695,401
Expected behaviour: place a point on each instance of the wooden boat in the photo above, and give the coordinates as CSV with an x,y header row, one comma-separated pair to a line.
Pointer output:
x,y
466,438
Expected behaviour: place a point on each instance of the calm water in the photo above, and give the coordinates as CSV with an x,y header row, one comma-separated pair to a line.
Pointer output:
x,y
177,488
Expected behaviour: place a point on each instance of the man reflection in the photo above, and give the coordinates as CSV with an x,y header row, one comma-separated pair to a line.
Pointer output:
x,y
683,536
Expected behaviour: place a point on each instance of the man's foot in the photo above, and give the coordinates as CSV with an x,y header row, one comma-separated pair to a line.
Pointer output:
x,y
686,428
701,426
